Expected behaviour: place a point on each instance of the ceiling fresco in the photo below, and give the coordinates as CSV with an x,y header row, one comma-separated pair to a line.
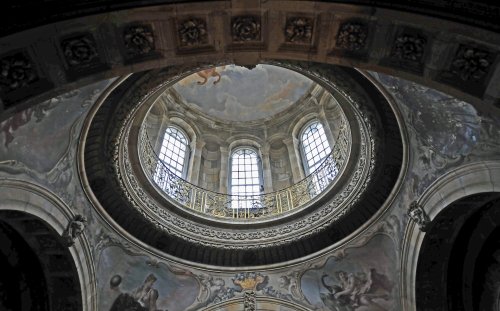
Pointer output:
x,y
236,93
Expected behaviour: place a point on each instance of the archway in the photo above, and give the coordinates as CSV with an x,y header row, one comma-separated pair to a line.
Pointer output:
x,y
38,270
457,256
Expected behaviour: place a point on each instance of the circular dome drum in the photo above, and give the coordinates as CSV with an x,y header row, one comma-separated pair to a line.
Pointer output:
x,y
182,212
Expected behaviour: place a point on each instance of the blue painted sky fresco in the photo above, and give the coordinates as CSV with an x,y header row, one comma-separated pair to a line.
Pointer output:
x,y
242,94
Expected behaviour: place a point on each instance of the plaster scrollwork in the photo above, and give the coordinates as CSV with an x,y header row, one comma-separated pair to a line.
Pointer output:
x,y
417,213
192,32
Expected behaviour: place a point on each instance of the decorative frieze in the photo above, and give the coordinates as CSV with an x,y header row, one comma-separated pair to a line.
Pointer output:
x,y
417,213
249,301
138,40
80,51
246,28
409,47
299,30
16,71
470,63
192,32
352,36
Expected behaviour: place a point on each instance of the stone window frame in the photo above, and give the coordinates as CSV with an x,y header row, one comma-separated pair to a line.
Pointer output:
x,y
187,152
303,157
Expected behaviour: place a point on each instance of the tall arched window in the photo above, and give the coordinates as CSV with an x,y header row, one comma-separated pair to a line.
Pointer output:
x,y
174,152
314,146
245,177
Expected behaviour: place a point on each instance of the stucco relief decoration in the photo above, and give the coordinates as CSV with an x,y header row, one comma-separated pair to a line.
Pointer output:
x,y
417,213
74,230
192,32
16,71
352,36
409,47
245,28
299,30
139,40
80,51
471,63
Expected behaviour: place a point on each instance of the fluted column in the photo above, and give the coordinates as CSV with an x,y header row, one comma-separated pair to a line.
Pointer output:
x,y
295,160
194,167
266,169
224,158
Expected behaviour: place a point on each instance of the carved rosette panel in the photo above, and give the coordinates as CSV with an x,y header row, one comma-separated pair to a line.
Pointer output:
x,y
246,28
299,30
471,64
16,71
192,32
138,40
409,47
352,36
80,51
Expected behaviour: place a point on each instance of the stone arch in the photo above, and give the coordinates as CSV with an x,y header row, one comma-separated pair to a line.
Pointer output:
x,y
457,184
23,202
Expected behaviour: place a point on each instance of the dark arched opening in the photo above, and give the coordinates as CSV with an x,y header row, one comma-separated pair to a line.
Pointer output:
x,y
38,272
459,257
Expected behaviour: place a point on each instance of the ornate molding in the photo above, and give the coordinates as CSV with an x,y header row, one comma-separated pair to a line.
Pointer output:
x,y
74,230
352,36
80,51
470,63
246,28
417,213
192,32
139,40
409,47
16,71
299,30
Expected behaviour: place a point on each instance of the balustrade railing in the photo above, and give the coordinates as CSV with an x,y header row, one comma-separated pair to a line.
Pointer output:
x,y
224,205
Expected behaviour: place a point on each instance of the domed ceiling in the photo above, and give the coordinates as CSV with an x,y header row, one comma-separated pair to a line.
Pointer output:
x,y
236,93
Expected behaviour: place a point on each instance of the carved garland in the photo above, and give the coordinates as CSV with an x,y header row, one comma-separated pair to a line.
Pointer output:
x,y
278,235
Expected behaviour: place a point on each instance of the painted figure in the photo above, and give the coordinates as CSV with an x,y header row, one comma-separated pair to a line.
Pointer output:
x,y
142,298
356,292
207,73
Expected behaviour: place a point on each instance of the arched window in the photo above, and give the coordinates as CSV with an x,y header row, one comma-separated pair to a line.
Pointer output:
x,y
245,177
174,152
314,146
